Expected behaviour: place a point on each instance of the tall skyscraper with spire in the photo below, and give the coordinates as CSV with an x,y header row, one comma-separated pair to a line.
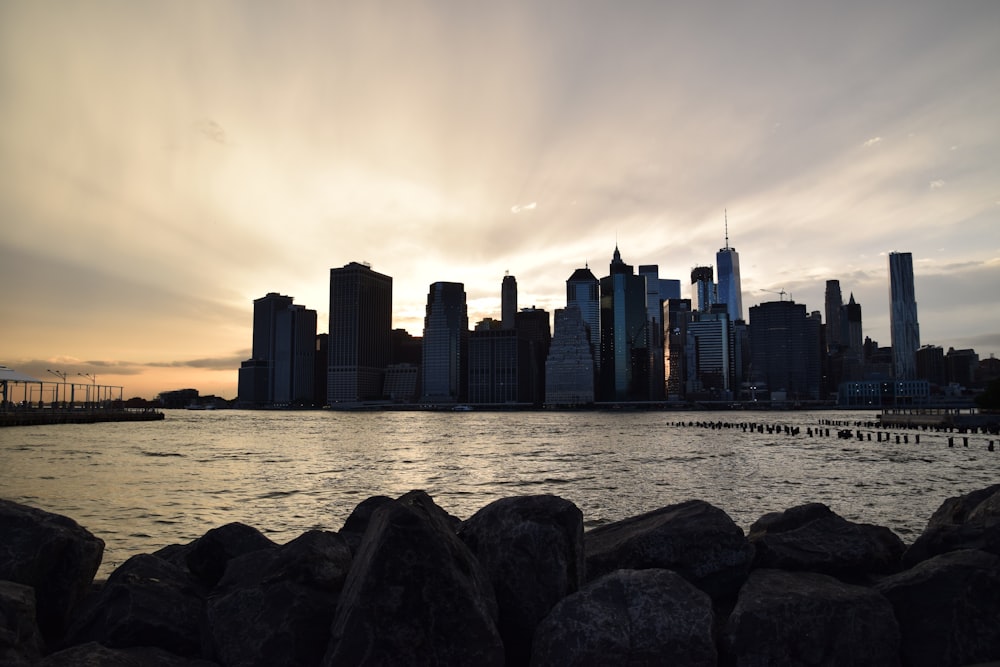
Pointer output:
x,y
729,290
624,373
903,326
508,301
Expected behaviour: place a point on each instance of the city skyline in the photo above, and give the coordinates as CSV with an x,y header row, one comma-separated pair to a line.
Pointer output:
x,y
168,164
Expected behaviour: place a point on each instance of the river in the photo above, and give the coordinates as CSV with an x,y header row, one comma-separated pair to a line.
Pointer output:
x,y
141,486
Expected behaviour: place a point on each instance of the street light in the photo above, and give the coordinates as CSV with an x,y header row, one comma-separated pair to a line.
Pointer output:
x,y
62,376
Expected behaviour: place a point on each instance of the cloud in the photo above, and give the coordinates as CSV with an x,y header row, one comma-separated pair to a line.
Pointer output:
x,y
211,131
936,185
227,363
872,141
518,208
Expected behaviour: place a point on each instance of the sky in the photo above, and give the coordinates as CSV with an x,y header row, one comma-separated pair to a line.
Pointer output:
x,y
164,164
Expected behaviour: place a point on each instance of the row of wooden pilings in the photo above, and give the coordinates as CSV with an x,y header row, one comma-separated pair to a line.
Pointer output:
x,y
855,431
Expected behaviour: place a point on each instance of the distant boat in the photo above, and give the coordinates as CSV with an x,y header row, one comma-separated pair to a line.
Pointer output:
x,y
462,408
199,406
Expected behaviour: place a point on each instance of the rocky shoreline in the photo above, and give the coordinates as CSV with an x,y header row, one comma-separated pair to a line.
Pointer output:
x,y
518,583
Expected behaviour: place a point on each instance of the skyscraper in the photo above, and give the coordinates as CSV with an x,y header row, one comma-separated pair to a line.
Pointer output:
x,y
569,367
703,293
834,322
904,329
446,331
654,330
709,351
583,290
360,334
784,344
624,373
729,290
508,301
280,371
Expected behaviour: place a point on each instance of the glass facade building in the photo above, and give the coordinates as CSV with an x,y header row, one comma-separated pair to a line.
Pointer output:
x,y
903,326
446,331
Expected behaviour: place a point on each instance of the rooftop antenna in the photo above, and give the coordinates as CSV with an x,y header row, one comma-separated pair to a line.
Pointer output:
x,y
725,213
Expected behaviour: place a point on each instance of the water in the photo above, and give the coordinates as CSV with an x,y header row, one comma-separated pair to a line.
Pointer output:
x,y
141,486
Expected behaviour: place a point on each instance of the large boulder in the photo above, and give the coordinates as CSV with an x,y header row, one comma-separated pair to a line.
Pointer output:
x,y
806,618
415,595
147,601
532,550
971,521
20,639
51,553
93,654
357,523
629,617
208,555
948,608
695,539
813,538
274,607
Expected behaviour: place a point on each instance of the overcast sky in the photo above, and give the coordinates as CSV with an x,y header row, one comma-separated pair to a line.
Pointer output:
x,y
162,164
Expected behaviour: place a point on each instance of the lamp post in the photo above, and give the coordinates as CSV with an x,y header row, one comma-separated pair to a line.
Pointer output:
x,y
93,380
62,376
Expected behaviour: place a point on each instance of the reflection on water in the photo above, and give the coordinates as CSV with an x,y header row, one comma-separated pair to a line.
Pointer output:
x,y
143,485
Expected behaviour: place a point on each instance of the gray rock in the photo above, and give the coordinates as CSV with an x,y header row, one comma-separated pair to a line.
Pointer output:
x,y
54,555
415,595
629,617
274,607
813,538
208,555
147,601
948,608
971,521
20,638
806,618
695,539
93,654
532,550
357,523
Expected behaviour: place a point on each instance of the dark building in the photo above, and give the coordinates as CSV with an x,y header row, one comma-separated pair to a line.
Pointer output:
x,y
676,314
532,325
499,367
785,349
583,291
446,335
931,366
280,371
569,366
961,366
360,329
508,301
624,372
319,369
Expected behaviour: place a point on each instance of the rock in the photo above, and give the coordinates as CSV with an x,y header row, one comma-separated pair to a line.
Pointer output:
x,y
971,521
629,617
532,550
147,601
806,618
948,609
698,541
274,607
208,555
357,523
813,538
20,638
54,555
93,654
415,595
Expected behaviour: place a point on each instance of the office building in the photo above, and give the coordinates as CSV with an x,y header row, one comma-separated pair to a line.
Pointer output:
x,y
508,301
360,333
708,349
280,371
654,338
569,367
834,302
446,332
703,292
583,291
729,290
903,326
676,315
785,350
624,371
498,366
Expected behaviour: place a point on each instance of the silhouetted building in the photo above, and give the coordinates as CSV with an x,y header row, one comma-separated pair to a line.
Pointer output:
x,y
834,326
280,371
903,316
583,290
508,301
703,293
499,367
624,372
406,348
676,314
360,333
654,338
532,325
930,365
569,367
785,347
729,290
961,366
320,360
446,331
402,383
709,351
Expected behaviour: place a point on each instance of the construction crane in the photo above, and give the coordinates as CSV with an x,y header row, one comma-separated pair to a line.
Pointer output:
x,y
781,294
